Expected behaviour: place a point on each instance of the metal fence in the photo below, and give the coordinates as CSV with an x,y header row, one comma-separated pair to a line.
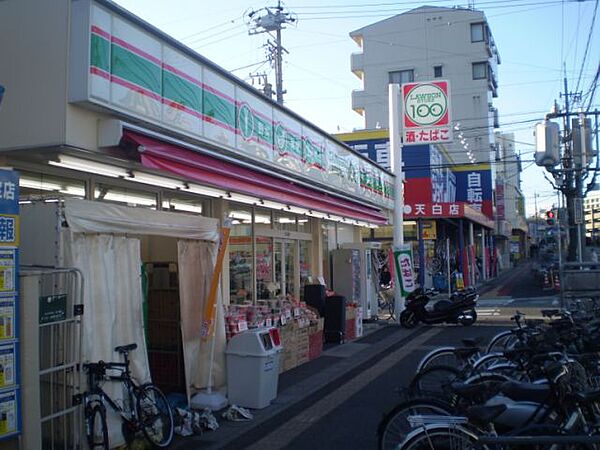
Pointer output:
x,y
52,308
580,285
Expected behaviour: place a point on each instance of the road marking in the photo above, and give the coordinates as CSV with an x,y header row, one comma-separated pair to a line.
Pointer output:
x,y
488,312
284,435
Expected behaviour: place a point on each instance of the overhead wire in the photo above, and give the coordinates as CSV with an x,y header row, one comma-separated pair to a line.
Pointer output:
x,y
587,46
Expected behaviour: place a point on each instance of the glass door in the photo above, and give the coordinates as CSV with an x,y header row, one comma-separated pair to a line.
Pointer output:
x,y
285,263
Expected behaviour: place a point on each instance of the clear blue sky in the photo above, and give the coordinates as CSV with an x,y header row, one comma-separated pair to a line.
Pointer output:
x,y
535,38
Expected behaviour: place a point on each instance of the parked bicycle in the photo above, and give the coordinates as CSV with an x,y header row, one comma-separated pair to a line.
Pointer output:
x,y
144,408
537,389
385,302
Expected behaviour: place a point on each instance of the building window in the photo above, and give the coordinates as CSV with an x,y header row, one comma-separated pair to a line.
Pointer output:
x,y
478,32
480,70
402,76
437,71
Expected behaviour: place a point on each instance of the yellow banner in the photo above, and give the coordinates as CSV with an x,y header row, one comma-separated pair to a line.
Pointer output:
x,y
211,303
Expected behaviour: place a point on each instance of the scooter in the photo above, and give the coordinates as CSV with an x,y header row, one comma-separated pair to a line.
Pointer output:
x,y
458,308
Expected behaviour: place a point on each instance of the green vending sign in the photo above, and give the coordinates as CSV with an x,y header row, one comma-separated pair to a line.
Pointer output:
x,y
405,274
53,308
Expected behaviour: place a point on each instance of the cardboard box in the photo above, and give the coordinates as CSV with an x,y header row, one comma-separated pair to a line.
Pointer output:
x,y
315,345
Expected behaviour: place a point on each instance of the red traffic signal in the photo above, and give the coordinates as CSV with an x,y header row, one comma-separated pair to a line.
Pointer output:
x,y
550,214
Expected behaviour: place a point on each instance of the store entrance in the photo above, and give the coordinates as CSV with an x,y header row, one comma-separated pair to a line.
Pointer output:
x,y
285,265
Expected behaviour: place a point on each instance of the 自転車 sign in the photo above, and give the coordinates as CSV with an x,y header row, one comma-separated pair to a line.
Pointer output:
x,y
426,112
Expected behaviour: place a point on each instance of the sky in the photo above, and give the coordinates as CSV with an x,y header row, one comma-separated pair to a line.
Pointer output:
x,y
538,41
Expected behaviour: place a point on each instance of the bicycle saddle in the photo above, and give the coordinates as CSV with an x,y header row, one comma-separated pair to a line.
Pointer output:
x,y
125,348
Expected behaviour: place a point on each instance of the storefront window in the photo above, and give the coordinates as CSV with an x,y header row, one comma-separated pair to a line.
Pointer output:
x,y
284,222
265,286
262,217
186,204
105,193
345,233
329,243
305,265
304,224
240,254
39,187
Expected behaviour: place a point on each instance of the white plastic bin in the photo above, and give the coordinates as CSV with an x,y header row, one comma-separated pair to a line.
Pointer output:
x,y
253,367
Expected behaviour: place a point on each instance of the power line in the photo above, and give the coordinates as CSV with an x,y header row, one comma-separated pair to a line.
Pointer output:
x,y
383,13
587,46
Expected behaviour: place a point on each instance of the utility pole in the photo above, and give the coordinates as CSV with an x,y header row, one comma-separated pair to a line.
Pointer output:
x,y
573,169
267,88
269,21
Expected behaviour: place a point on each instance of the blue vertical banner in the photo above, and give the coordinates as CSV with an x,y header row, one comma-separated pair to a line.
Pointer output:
x,y
10,378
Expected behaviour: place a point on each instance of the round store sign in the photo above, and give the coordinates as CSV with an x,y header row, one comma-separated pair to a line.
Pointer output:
x,y
425,104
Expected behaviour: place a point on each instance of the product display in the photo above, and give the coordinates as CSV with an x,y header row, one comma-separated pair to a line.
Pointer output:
x,y
297,322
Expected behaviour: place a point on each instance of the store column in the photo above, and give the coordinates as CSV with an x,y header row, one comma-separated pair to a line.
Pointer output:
x,y
471,255
484,252
462,263
421,243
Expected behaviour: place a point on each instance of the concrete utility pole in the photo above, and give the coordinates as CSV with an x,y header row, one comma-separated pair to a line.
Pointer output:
x,y
272,20
572,171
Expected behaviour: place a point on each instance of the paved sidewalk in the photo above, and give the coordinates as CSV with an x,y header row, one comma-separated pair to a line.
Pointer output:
x,y
306,385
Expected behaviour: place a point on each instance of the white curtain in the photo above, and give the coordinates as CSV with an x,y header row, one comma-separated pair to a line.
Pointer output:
x,y
196,265
111,267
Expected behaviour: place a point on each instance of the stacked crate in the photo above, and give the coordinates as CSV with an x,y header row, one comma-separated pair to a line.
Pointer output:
x,y
165,349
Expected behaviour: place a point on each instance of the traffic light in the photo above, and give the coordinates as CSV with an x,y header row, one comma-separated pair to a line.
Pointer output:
x,y
550,219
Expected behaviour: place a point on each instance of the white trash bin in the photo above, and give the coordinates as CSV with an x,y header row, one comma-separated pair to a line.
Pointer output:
x,y
253,367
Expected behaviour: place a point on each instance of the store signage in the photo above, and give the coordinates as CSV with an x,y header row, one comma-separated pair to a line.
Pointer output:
x,y
414,211
9,304
426,113
429,230
474,187
404,269
129,70
53,308
500,204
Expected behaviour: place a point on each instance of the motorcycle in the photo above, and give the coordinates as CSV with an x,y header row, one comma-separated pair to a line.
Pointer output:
x,y
458,308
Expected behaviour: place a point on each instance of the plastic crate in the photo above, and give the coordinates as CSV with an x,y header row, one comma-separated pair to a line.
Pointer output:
x,y
164,335
163,304
166,368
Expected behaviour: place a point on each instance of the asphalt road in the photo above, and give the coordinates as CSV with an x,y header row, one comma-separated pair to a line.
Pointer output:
x,y
518,282
347,415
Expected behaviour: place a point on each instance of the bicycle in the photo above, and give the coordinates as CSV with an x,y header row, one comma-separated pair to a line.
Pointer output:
x,y
144,408
385,302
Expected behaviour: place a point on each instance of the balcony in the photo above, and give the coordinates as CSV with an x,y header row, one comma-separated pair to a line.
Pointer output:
x,y
358,101
357,64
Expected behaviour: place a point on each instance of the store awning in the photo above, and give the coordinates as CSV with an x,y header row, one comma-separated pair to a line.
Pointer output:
x,y
156,154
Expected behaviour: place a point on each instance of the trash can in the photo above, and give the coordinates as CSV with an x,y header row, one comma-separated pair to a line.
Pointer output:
x,y
253,367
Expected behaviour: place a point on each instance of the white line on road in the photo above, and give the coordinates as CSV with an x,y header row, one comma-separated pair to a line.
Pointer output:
x,y
284,435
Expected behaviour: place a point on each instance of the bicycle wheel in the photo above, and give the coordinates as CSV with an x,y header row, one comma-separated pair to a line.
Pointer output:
x,y
435,381
443,356
395,426
96,428
155,415
501,342
391,307
441,437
